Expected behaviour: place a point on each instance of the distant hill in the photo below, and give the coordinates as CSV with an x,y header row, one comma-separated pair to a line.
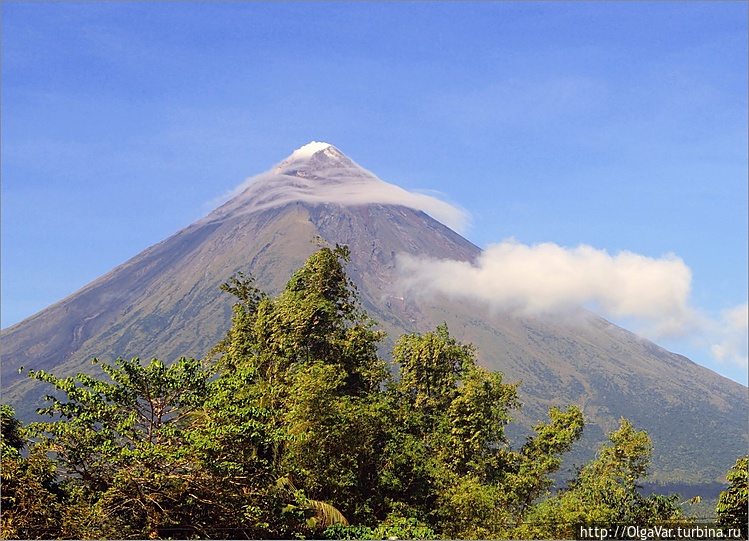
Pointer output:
x,y
165,302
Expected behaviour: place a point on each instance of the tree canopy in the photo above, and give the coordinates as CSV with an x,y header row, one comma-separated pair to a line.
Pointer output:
x,y
733,503
294,427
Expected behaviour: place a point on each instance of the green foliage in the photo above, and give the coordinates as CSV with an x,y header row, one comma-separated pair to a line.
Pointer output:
x,y
452,466
30,498
295,428
528,474
11,433
240,341
605,491
124,445
313,357
392,528
733,503
448,429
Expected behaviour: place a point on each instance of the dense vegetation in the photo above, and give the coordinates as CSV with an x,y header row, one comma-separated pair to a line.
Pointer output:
x,y
296,428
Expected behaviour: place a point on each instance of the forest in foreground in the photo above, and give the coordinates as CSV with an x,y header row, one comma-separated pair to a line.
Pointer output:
x,y
294,427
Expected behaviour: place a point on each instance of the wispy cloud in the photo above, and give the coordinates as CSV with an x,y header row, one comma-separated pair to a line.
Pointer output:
x,y
547,279
730,342
342,186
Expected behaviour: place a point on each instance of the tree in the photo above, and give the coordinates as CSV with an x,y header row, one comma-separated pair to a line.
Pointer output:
x,y
458,409
11,429
238,443
448,423
528,477
30,496
450,464
125,447
313,354
165,451
733,502
187,450
605,492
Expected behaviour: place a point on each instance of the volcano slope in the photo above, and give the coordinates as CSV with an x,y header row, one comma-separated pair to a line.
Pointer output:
x,y
166,303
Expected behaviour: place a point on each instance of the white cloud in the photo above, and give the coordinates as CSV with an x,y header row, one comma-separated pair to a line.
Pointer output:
x,y
730,342
651,294
336,185
547,278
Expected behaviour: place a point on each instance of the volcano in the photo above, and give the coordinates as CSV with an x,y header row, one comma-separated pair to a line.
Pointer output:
x,y
166,303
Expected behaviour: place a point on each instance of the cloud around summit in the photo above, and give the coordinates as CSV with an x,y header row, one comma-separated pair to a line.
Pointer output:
x,y
275,189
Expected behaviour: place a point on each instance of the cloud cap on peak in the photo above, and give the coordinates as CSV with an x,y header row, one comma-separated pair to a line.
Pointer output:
x,y
320,173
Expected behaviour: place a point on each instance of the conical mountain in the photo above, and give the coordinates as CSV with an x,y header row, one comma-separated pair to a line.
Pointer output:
x,y
165,302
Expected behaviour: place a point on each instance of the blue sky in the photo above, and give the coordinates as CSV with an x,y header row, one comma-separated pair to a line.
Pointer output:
x,y
621,126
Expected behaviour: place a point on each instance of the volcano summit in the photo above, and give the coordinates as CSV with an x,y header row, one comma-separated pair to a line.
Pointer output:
x,y
166,303
319,173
